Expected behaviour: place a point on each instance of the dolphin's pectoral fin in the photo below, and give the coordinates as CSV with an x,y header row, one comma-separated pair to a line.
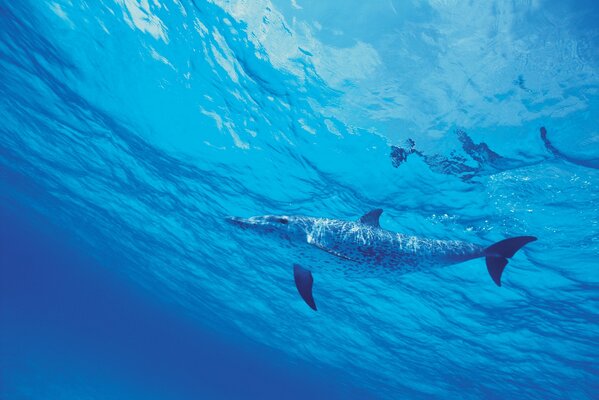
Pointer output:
x,y
303,282
372,218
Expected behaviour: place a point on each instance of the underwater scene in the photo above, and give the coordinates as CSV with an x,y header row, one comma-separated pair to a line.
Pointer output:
x,y
299,199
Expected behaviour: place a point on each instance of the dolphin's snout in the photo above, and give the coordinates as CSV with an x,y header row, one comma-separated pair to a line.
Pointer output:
x,y
267,224
238,222
233,220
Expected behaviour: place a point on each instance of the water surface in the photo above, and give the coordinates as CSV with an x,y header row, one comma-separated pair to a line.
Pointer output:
x,y
130,129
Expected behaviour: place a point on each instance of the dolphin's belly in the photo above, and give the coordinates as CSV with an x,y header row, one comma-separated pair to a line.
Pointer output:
x,y
386,255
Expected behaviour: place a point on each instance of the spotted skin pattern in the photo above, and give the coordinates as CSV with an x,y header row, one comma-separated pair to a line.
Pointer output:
x,y
365,244
379,248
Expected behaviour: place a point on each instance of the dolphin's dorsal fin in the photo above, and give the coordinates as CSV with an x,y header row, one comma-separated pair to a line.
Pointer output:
x,y
372,218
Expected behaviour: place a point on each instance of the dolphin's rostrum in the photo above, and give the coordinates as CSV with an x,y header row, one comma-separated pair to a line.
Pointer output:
x,y
365,242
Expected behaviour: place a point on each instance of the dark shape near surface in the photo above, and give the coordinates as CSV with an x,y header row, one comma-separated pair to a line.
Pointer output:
x,y
471,160
497,254
399,155
548,145
372,218
303,282
589,163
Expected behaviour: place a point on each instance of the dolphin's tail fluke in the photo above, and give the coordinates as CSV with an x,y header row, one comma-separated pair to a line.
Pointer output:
x,y
497,254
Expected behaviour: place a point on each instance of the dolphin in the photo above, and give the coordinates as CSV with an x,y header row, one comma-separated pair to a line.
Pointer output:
x,y
364,242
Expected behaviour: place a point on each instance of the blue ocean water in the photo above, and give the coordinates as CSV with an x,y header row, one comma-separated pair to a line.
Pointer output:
x,y
131,128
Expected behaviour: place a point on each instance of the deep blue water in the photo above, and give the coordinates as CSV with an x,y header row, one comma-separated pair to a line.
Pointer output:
x,y
131,128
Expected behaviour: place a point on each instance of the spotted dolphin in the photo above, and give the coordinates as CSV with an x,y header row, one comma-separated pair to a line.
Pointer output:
x,y
364,242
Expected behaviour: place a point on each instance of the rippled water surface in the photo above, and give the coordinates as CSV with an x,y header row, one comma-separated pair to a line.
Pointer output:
x,y
132,128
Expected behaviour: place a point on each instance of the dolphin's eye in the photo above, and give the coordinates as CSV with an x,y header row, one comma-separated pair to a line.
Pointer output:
x,y
283,220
